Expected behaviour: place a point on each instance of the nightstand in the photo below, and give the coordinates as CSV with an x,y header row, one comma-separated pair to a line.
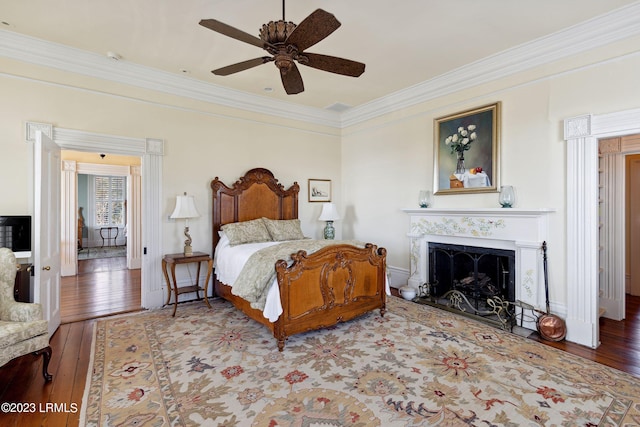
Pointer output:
x,y
175,259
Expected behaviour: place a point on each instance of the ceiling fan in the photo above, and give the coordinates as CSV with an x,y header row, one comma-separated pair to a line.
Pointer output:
x,y
287,42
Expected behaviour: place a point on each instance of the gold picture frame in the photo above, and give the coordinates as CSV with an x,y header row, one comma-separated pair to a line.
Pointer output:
x,y
319,190
467,151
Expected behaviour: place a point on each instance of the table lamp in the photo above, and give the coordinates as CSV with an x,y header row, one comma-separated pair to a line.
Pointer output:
x,y
329,214
185,209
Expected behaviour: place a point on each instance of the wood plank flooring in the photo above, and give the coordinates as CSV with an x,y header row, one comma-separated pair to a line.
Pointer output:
x,y
103,286
21,379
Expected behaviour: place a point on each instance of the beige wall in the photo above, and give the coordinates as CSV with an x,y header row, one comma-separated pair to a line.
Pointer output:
x,y
377,167
387,161
201,142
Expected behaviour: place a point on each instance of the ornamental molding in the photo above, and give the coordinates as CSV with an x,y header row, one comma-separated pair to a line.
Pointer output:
x,y
610,146
32,127
155,146
69,165
477,227
577,127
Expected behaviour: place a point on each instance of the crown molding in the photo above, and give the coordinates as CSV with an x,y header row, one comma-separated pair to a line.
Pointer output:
x,y
53,55
614,26
608,28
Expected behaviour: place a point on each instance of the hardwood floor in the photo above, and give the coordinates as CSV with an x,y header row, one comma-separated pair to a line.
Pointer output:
x,y
21,379
103,286
619,341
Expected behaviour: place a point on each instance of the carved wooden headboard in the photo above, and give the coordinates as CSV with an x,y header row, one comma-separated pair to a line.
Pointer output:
x,y
255,195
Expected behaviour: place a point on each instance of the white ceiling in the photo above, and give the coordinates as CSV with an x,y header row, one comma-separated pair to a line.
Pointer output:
x,y
402,43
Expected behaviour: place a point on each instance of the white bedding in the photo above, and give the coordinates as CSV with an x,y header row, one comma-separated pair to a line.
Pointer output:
x,y
229,261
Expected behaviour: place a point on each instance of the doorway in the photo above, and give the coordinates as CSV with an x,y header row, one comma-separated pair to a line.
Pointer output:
x,y
103,279
149,235
619,194
632,223
583,280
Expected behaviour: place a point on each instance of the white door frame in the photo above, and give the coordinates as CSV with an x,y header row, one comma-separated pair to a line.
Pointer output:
x,y
150,235
581,134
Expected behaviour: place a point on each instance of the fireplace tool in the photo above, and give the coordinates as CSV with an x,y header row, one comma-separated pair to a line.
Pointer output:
x,y
550,327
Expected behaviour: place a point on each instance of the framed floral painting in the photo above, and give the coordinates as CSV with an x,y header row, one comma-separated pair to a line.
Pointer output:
x,y
467,151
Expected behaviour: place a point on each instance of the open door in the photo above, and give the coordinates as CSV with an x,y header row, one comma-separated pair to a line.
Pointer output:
x,y
46,256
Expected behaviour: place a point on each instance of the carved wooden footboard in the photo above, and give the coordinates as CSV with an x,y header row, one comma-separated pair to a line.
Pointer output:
x,y
334,284
330,286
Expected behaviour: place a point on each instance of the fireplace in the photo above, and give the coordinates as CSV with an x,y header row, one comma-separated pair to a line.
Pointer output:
x,y
472,280
511,237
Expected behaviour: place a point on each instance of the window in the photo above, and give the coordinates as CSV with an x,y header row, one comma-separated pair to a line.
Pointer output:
x,y
110,193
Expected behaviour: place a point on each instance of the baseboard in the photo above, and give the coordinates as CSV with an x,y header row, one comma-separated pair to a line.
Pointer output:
x,y
398,277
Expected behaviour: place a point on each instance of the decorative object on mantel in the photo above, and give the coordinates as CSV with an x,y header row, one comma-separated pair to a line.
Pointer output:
x,y
424,198
479,129
329,214
507,196
185,209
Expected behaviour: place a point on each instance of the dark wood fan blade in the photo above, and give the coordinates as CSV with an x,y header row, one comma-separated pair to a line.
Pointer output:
x,y
234,33
314,28
333,64
292,80
241,66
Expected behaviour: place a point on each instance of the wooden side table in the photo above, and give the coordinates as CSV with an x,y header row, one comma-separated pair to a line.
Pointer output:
x,y
175,259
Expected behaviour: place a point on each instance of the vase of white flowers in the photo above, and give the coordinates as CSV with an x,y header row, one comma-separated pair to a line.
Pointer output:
x,y
461,142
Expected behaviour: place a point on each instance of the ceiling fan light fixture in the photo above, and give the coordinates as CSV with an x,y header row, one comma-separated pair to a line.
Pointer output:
x,y
276,31
284,62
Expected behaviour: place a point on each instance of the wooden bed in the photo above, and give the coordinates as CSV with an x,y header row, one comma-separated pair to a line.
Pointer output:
x,y
332,285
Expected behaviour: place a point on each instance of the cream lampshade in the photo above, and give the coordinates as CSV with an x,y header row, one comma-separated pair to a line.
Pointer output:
x,y
329,214
185,209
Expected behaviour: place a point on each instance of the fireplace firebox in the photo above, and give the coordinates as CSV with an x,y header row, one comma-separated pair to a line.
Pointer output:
x,y
475,281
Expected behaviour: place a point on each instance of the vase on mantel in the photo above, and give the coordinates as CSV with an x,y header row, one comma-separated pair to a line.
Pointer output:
x,y
507,196
424,198
460,164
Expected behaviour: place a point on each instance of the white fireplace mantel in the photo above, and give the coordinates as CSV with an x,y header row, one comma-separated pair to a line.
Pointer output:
x,y
519,229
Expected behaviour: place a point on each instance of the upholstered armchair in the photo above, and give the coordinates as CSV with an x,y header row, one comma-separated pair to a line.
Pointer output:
x,y
22,329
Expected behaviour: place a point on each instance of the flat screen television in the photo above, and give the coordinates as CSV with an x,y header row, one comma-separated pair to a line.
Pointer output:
x,y
15,234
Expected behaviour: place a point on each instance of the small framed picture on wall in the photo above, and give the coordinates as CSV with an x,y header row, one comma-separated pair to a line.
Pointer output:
x,y
319,190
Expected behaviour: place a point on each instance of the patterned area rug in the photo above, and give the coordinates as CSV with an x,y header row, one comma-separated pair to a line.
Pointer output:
x,y
106,252
415,366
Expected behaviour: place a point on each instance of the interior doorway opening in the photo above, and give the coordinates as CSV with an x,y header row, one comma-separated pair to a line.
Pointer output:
x,y
619,233
105,279
632,223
